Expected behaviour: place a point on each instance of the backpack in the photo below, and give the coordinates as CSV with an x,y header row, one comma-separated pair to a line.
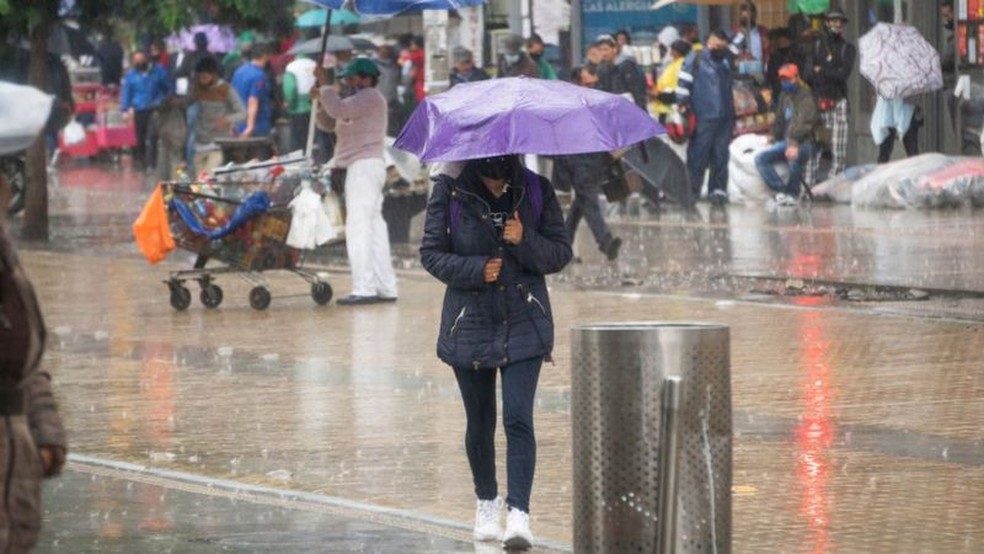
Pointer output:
x,y
534,195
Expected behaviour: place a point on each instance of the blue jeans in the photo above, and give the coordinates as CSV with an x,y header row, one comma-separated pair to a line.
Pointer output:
x,y
765,162
709,148
477,387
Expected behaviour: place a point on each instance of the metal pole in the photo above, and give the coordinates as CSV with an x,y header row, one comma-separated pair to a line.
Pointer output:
x,y
314,101
669,456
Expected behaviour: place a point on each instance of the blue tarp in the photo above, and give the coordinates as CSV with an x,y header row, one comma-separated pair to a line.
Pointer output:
x,y
254,204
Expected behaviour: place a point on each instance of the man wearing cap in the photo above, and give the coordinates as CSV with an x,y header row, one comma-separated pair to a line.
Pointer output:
x,y
464,69
830,63
360,126
620,74
513,62
794,136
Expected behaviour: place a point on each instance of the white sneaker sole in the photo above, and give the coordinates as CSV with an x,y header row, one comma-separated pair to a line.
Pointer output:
x,y
484,537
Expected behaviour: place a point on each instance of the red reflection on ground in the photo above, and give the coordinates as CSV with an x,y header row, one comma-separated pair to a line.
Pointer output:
x,y
97,176
816,431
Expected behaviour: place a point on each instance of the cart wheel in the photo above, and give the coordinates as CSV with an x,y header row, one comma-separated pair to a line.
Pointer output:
x,y
321,292
211,296
180,297
259,298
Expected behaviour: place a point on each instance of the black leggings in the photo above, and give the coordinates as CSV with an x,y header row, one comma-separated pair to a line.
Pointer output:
x,y
910,141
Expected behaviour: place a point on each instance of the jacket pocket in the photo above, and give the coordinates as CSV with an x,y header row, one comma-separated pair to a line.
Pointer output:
x,y
456,324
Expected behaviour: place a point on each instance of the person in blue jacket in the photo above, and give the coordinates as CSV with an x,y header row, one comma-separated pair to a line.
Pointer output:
x,y
145,87
705,89
491,234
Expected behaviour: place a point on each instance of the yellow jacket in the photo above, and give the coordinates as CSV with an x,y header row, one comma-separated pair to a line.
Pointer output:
x,y
667,82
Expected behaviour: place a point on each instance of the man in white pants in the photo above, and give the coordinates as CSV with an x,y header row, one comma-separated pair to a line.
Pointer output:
x,y
361,131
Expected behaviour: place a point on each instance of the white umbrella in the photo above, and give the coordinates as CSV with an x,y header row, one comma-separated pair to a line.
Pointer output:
x,y
899,62
23,113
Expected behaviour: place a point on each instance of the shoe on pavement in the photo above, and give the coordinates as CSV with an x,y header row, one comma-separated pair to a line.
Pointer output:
x,y
488,526
611,249
518,535
783,199
385,299
355,300
718,198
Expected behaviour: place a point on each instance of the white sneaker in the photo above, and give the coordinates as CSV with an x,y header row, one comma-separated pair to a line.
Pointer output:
x,y
487,520
783,199
518,535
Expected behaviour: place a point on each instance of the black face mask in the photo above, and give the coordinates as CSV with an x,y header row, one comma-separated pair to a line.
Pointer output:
x,y
536,57
948,25
142,66
498,168
718,53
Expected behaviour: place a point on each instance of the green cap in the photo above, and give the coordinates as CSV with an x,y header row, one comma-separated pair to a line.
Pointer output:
x,y
359,66
247,37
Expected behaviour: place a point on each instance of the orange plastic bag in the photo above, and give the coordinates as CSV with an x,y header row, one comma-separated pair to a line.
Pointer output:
x,y
151,229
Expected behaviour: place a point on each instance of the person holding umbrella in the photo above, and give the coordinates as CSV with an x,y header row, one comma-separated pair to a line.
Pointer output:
x,y
491,234
360,125
493,231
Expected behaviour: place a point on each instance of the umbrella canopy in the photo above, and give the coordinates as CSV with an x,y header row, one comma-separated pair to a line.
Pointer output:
x,y
899,62
662,169
316,18
393,7
221,38
519,115
23,113
336,43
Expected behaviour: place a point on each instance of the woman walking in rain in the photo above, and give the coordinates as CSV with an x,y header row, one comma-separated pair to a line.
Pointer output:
x,y
491,234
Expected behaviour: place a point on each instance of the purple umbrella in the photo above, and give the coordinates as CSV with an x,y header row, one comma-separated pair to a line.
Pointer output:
x,y
519,115
220,38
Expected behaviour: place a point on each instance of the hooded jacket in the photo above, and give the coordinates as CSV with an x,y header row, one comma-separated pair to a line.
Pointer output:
x,y
797,117
28,413
489,325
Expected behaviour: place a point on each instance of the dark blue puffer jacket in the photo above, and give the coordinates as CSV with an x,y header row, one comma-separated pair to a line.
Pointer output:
x,y
489,325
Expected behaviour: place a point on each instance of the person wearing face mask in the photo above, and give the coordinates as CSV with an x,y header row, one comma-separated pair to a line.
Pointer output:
x,y
704,89
513,62
535,47
465,70
145,87
830,63
619,73
360,126
794,136
491,234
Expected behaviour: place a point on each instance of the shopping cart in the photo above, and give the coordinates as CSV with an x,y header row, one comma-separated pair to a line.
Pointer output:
x,y
234,223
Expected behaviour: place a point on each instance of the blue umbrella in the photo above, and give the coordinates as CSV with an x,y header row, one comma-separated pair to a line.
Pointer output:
x,y
393,7
316,18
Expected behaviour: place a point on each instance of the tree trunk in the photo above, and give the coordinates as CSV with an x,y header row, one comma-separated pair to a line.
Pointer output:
x,y
36,191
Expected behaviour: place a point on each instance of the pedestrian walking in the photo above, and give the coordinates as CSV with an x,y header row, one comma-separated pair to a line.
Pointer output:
x,y
253,86
219,110
513,62
145,87
535,48
794,137
360,125
491,234
705,90
390,76
584,173
464,70
894,118
297,84
830,62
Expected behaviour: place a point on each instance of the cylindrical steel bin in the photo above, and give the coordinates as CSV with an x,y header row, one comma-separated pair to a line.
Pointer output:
x,y
618,375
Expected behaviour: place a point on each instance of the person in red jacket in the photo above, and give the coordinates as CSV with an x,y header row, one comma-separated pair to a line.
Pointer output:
x,y
412,63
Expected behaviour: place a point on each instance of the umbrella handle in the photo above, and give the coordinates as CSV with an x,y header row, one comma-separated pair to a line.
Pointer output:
x,y
314,101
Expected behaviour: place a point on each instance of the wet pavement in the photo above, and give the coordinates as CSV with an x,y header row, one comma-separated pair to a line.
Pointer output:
x,y
857,421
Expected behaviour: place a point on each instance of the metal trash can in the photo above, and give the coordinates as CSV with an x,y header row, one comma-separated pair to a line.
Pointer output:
x,y
651,412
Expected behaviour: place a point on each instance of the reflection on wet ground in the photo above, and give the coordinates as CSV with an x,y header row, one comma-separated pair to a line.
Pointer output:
x,y
855,430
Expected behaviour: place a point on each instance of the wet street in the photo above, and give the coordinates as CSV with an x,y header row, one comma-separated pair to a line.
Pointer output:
x,y
856,371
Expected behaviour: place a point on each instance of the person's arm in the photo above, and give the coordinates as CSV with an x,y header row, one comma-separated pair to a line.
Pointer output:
x,y
840,72
252,109
454,270
805,116
290,90
45,423
685,80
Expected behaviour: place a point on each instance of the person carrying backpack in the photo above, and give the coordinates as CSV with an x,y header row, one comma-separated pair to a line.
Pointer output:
x,y
491,235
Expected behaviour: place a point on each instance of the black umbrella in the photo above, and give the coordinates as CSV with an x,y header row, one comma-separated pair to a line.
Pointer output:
x,y
661,171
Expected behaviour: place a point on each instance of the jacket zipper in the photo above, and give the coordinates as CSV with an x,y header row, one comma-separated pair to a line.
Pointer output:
x,y
488,209
548,357
532,299
454,326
